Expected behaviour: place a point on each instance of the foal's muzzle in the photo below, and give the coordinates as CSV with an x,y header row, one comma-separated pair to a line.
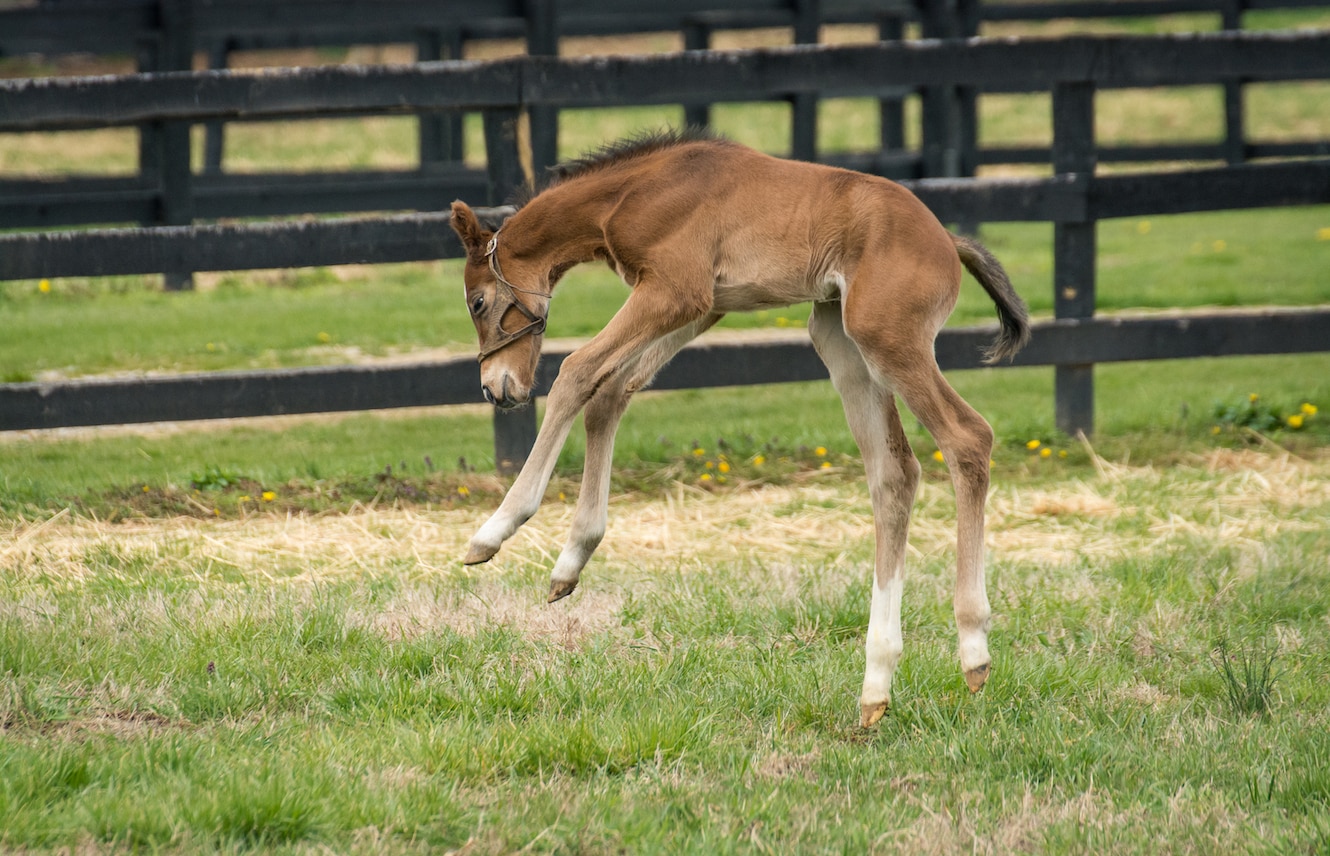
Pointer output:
x,y
504,399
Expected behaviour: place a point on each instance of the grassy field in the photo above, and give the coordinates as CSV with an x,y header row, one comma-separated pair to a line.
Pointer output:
x,y
338,681
258,636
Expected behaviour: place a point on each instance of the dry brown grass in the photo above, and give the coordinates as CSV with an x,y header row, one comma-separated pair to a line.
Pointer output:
x,y
1237,500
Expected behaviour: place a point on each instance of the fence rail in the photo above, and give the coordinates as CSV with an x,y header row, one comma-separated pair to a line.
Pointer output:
x,y
1074,198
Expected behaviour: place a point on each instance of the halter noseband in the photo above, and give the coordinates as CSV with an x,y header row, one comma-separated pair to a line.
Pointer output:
x,y
535,323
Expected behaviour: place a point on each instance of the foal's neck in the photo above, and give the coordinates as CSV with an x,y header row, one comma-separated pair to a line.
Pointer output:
x,y
557,229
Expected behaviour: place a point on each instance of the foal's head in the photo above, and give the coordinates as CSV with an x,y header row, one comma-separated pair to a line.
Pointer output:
x,y
509,315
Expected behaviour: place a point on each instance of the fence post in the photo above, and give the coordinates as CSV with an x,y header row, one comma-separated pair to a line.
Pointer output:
x,y
1074,247
1235,141
803,105
697,37
514,431
542,39
440,133
891,28
164,149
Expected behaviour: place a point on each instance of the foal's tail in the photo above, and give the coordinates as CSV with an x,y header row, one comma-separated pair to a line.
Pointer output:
x,y
1013,317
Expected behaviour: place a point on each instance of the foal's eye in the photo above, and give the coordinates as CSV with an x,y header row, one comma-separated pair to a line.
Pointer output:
x,y
477,304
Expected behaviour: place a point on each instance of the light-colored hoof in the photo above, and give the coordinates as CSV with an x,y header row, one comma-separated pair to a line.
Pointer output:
x,y
477,553
975,677
559,589
869,714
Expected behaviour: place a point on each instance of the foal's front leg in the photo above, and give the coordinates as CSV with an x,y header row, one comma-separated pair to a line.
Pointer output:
x,y
643,319
603,413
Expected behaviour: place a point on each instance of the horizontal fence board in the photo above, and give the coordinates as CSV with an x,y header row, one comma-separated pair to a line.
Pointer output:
x,y
51,103
1217,189
111,252
221,395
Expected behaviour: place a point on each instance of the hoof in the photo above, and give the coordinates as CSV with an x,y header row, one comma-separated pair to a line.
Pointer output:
x,y
477,554
559,589
871,713
975,677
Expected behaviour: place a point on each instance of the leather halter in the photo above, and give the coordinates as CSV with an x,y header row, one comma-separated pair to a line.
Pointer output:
x,y
505,300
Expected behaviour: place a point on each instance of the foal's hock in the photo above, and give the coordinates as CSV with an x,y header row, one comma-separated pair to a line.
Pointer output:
x,y
697,227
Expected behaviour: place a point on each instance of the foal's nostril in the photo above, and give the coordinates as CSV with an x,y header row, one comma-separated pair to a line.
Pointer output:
x,y
489,396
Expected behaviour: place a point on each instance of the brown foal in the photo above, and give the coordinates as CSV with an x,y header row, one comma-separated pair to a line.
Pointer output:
x,y
698,227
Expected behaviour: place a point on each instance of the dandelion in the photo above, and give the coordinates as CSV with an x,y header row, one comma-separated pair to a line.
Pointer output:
x,y
1295,421
1219,246
826,465
1308,409
44,286
1062,453
244,498
937,456
699,452
705,477
324,338
1045,452
210,347
1033,444
710,465
1253,398
759,460
1323,233
145,488
463,492
723,466
1143,227
1215,430
268,496
782,322
820,451
563,497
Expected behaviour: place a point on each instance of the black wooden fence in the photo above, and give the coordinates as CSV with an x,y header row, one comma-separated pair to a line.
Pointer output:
x,y
1074,198
169,34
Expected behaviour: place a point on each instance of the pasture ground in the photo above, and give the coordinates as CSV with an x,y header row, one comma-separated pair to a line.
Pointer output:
x,y
339,682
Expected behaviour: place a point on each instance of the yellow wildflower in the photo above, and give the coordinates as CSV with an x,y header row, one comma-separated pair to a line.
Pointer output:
x,y
937,456
1323,233
244,498
1220,245
759,460
1045,452
1295,421
44,286
324,338
1253,398
782,322
723,466
705,477
820,451
1308,409
268,496
463,492
699,452
1143,227
826,465
710,465
1062,454
1033,444
1215,430
145,488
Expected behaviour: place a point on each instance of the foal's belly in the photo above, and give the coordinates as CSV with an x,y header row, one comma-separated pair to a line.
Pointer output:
x,y
772,294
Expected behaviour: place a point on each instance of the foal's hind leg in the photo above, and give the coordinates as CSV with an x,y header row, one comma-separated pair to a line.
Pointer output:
x,y
966,441
602,416
893,476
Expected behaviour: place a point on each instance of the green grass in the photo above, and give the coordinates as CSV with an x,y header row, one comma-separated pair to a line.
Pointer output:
x,y
163,691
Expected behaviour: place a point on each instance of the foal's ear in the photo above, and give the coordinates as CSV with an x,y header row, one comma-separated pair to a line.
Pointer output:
x,y
467,226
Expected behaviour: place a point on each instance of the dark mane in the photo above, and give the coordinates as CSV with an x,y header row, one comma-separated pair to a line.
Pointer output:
x,y
636,146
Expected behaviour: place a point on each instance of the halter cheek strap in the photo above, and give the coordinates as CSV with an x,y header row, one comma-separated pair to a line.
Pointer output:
x,y
506,299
